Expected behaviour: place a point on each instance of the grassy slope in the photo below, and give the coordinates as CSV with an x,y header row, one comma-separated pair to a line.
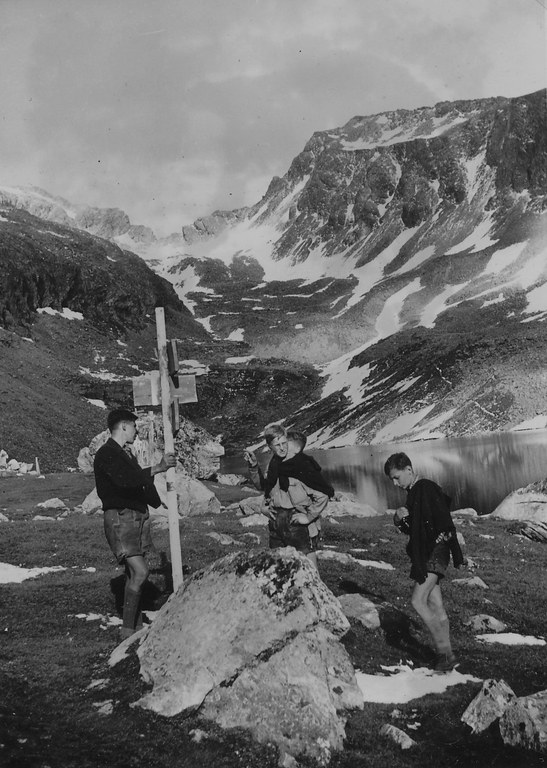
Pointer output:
x,y
48,714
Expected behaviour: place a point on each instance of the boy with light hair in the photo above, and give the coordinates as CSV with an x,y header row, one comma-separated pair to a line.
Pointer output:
x,y
296,493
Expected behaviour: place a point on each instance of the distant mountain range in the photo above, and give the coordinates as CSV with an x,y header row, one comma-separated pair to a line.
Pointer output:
x,y
403,255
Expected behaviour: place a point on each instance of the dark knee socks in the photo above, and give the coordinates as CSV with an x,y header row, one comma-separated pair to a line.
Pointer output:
x,y
131,604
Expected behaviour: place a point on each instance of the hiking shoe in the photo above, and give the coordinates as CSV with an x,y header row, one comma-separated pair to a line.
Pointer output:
x,y
126,632
445,662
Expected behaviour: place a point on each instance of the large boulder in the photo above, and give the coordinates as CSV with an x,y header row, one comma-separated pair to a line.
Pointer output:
x,y
198,452
488,705
193,497
253,642
528,503
524,722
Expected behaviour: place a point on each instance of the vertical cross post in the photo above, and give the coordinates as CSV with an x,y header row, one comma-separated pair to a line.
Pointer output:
x,y
172,503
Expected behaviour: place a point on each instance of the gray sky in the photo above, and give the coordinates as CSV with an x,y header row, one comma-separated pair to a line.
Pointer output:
x,y
170,109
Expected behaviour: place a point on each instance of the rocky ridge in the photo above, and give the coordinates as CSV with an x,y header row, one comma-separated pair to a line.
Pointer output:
x,y
403,254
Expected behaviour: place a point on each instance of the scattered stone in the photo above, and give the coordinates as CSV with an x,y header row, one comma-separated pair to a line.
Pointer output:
x,y
254,520
91,503
524,722
465,512
345,559
85,461
348,505
3,518
231,479
194,498
530,530
253,538
362,609
104,707
52,504
223,539
482,622
45,518
265,622
251,506
197,735
471,581
397,735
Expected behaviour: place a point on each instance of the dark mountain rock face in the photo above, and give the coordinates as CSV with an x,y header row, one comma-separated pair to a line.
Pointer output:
x,y
98,330
403,255
61,267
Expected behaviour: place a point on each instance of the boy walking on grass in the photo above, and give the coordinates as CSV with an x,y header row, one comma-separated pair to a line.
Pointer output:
x,y
432,539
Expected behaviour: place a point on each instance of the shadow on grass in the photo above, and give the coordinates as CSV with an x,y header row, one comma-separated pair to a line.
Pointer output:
x,y
153,596
396,625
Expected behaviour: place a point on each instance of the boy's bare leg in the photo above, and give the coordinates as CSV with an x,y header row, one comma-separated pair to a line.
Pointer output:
x,y
437,606
421,603
137,573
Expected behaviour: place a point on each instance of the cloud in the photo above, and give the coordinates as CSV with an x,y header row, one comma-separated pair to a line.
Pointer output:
x,y
170,110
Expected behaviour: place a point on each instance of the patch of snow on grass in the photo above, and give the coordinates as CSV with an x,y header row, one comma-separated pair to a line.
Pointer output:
x,y
511,638
104,375
98,403
236,335
239,360
67,313
375,564
403,684
14,574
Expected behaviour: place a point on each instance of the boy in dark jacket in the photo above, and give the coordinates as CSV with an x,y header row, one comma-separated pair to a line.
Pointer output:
x,y
125,490
432,539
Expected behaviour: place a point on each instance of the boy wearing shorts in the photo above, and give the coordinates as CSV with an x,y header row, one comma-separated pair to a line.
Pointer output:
x,y
426,519
295,493
125,490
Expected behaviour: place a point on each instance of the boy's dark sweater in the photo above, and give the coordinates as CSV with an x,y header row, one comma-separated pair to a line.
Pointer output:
x,y
121,482
429,515
301,467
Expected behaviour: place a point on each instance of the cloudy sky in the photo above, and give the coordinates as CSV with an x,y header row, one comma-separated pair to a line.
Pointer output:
x,y
170,109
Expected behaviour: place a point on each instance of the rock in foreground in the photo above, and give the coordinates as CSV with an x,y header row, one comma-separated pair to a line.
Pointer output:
x,y
253,641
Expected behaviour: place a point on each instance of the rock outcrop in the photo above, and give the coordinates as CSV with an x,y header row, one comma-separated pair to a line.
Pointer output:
x,y
488,705
528,503
252,641
524,722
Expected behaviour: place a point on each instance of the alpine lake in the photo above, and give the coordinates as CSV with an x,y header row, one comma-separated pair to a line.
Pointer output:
x,y
477,471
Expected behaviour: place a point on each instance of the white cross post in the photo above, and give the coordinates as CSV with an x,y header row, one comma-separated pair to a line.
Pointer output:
x,y
169,442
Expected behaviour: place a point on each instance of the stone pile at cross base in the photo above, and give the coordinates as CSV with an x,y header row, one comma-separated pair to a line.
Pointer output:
x,y
252,641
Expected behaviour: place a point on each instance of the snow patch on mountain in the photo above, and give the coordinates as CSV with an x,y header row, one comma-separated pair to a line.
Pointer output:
x,y
437,305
